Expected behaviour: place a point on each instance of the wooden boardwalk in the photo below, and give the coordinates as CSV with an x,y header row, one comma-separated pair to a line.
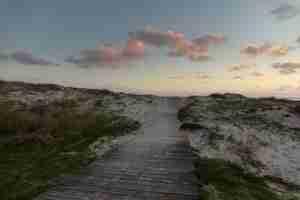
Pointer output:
x,y
157,165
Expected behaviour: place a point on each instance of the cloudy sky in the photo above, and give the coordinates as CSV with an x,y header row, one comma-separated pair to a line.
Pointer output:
x,y
169,47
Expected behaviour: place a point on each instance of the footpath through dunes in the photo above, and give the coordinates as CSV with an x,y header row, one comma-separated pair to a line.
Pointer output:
x,y
157,164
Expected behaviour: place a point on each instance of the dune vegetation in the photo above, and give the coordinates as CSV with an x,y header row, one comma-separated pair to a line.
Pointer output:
x,y
39,143
247,148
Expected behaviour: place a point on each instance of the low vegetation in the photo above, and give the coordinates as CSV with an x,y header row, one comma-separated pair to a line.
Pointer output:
x,y
221,180
42,142
247,148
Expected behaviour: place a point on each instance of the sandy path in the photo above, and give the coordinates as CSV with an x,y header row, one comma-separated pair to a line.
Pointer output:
x,y
156,165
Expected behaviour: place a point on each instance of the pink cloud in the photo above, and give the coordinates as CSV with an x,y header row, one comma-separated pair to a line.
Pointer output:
x,y
157,38
108,54
179,45
134,48
102,54
176,42
190,50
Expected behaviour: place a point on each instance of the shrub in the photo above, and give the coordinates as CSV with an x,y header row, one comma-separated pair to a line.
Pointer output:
x,y
296,109
49,140
230,181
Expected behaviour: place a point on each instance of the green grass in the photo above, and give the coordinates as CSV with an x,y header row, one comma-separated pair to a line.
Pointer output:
x,y
226,181
221,180
46,142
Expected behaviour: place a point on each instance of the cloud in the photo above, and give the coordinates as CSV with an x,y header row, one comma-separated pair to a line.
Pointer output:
x,y
26,57
134,48
190,51
285,88
293,48
285,11
237,77
278,51
73,60
175,42
109,54
257,74
210,39
158,38
255,50
202,76
265,49
179,45
240,67
287,67
199,57
102,54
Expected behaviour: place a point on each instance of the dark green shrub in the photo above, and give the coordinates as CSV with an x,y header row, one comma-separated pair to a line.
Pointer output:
x,y
229,181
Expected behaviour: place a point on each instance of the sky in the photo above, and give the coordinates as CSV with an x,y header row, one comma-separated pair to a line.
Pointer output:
x,y
169,47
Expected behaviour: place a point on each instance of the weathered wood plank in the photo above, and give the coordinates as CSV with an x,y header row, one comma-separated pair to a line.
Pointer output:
x,y
157,165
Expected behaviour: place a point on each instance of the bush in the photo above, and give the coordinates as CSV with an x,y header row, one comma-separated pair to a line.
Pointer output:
x,y
296,109
42,137
229,181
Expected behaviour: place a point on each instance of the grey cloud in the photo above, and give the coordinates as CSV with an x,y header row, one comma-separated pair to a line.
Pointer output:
x,y
156,37
285,11
266,49
256,50
73,60
209,39
287,67
26,57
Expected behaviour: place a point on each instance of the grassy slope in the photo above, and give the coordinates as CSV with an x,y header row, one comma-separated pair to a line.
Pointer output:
x,y
222,180
45,142
225,181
